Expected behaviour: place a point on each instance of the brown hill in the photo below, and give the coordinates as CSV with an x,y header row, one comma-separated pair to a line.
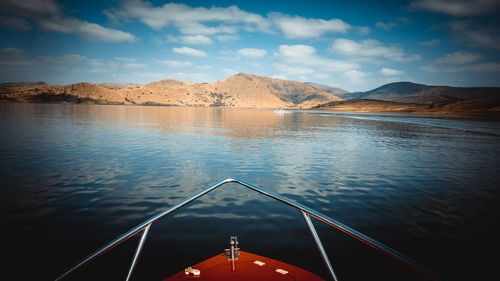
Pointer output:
x,y
240,90
369,105
487,107
74,93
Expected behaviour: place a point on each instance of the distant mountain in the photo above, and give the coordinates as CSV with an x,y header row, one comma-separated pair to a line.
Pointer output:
x,y
424,94
240,90
329,89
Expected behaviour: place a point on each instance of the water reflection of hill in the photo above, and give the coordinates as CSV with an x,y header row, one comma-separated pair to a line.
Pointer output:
x,y
238,123
423,186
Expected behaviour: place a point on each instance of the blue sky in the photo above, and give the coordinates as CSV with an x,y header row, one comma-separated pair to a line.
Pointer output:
x,y
355,45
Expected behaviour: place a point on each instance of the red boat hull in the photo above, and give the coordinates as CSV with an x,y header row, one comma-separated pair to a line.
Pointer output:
x,y
245,269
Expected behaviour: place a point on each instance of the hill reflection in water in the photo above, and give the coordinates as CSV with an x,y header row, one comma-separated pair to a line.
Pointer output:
x,y
75,176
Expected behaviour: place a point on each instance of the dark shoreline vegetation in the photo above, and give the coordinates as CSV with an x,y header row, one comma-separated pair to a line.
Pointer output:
x,y
253,91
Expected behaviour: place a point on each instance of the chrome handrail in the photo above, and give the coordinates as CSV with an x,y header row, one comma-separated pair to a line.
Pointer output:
x,y
306,212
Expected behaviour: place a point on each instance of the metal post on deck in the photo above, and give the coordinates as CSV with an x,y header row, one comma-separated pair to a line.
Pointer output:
x,y
306,212
319,245
138,252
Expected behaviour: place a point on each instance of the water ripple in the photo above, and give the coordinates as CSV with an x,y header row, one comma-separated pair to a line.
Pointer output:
x,y
88,173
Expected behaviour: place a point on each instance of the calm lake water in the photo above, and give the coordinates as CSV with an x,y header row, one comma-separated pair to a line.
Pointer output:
x,y
73,177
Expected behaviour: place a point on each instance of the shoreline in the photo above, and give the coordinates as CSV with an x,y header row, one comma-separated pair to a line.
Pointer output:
x,y
493,116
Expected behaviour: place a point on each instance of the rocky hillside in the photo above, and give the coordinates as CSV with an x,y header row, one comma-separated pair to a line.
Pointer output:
x,y
240,90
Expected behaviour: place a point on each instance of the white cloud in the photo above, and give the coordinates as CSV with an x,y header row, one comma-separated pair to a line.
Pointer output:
x,y
458,8
304,55
226,37
299,27
462,62
134,65
364,30
11,50
157,41
252,53
228,55
103,66
189,51
475,35
293,70
355,76
321,76
30,8
198,28
196,39
15,22
458,58
85,30
64,59
13,58
48,15
486,67
189,20
146,77
404,20
175,63
191,39
171,38
386,26
202,67
370,48
295,52
142,77
390,72
125,59
432,42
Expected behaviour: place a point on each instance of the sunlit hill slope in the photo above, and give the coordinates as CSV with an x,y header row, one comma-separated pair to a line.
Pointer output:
x,y
240,90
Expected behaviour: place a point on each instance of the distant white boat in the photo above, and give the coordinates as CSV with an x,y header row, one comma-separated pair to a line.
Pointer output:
x,y
279,111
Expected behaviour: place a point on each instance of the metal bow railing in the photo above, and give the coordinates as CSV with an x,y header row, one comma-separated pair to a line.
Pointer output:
x,y
306,212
